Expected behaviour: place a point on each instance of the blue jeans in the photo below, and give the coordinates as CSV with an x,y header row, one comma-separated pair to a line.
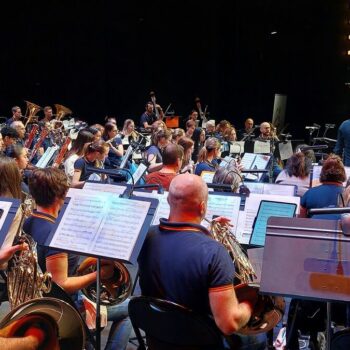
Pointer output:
x,y
121,327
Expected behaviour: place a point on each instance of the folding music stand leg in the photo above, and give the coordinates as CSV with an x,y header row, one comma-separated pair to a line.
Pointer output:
x,y
98,314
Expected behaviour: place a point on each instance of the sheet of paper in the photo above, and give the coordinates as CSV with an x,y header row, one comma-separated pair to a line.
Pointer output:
x,y
138,173
261,147
95,186
286,150
237,147
208,176
227,206
248,160
255,187
246,220
125,140
163,209
282,190
100,224
46,157
316,172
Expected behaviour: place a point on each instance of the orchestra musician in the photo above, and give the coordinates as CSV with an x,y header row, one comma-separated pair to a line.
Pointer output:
x,y
247,130
149,117
116,151
266,132
21,130
48,114
172,156
9,136
208,156
197,271
16,115
48,187
188,146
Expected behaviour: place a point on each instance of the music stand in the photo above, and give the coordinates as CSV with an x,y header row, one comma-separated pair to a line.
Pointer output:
x,y
307,259
8,210
94,233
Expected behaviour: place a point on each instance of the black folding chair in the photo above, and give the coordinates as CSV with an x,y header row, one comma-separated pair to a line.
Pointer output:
x,y
171,326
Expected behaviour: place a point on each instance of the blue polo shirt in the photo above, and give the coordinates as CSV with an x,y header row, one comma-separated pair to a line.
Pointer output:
x,y
180,262
39,226
206,166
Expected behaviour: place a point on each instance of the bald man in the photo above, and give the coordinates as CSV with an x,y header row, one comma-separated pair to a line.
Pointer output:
x,y
266,132
196,271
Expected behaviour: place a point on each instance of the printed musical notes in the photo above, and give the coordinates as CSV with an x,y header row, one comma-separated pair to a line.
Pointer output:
x,y
101,224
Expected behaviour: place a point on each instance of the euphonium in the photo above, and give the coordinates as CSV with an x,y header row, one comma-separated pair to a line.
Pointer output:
x,y
26,284
61,111
114,290
32,110
268,310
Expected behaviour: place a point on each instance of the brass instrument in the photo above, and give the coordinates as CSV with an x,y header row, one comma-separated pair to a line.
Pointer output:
x,y
114,290
61,323
268,310
31,111
61,111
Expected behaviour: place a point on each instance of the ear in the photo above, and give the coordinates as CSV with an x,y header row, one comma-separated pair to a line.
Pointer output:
x,y
203,208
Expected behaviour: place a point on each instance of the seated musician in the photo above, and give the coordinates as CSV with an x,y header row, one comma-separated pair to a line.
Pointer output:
x,y
48,188
188,146
148,117
172,162
197,271
34,336
95,152
116,151
9,136
208,155
160,139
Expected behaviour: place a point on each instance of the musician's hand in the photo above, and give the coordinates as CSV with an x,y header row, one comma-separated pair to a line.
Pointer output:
x,y
7,253
222,220
35,336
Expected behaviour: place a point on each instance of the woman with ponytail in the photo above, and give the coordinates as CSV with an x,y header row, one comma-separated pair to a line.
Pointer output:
x,y
208,155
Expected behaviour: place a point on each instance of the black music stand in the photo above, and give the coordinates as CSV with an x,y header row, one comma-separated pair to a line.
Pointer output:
x,y
307,259
98,249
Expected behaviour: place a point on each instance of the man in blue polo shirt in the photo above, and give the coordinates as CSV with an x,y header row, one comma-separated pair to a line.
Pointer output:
x,y
180,262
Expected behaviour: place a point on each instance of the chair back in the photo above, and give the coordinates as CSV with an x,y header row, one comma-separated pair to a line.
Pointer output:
x,y
172,325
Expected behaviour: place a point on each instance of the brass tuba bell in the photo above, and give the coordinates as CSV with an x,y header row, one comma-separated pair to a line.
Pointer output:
x,y
61,111
31,111
268,310
114,290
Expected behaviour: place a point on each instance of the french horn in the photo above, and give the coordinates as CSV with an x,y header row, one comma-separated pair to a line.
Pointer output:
x,y
113,290
268,310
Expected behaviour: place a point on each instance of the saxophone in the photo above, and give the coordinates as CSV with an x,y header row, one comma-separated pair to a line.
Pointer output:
x,y
268,310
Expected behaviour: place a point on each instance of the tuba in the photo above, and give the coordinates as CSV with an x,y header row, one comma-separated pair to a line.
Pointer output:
x,y
268,310
61,111
114,290
26,285
31,111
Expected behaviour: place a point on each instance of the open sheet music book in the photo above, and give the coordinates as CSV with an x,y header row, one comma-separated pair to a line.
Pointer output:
x,y
316,172
254,161
267,188
104,225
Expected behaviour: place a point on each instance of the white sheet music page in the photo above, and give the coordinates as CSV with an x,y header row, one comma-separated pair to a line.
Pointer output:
x,y
282,190
237,147
248,160
261,147
163,209
95,186
100,224
207,176
286,150
5,207
246,218
227,206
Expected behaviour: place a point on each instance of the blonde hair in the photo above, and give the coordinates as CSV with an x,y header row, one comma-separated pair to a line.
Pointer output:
x,y
210,145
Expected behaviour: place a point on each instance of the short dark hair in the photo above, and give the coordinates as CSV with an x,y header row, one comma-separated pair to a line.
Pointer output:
x,y
47,185
172,153
10,132
333,169
298,165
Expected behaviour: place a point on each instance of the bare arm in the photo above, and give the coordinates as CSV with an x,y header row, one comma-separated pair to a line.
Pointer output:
x,y
119,150
229,314
75,180
303,212
151,158
24,343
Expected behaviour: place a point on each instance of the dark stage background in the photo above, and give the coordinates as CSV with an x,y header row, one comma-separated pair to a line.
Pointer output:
x,y
104,57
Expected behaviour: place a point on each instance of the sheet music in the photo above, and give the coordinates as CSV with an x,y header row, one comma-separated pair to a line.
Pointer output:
x,y
261,147
208,176
125,140
237,147
138,173
246,218
136,155
95,186
286,150
248,160
99,224
282,190
46,157
260,161
218,205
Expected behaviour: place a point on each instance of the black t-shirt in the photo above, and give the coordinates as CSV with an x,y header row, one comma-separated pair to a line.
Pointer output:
x,y
180,262
150,119
81,164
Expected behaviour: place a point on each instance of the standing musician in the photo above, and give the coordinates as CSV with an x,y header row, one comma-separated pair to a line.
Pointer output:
x,y
48,188
149,117
16,115
196,271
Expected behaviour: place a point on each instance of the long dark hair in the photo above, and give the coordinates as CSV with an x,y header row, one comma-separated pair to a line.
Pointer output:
x,y
84,137
298,165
